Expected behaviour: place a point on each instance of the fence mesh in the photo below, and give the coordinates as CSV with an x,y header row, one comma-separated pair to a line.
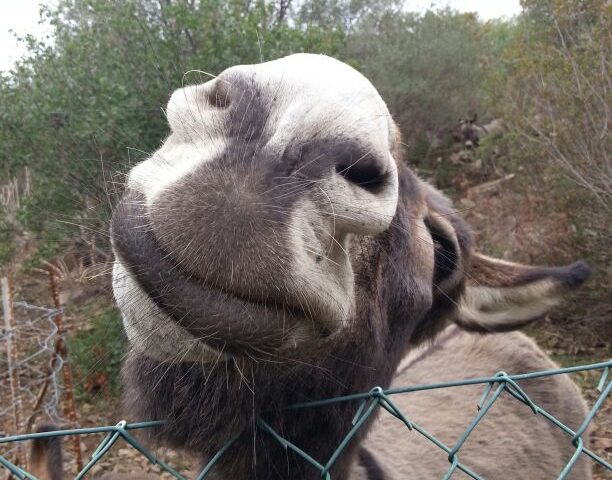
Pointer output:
x,y
38,331
41,393
377,398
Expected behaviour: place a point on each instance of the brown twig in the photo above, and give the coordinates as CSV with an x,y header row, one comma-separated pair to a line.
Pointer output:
x,y
42,392
62,353
489,185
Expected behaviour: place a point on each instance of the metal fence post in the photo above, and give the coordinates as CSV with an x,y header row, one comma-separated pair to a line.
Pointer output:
x,y
11,354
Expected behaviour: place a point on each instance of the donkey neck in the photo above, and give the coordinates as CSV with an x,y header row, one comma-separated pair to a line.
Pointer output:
x,y
205,408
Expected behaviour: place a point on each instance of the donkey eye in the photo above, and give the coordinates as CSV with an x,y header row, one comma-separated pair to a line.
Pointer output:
x,y
445,252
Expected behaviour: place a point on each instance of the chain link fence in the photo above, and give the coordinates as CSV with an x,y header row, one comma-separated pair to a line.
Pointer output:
x,y
377,398
37,331
38,387
35,376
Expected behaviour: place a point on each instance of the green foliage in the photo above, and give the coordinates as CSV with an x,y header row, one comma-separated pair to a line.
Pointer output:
x,y
429,68
555,75
557,88
96,353
7,246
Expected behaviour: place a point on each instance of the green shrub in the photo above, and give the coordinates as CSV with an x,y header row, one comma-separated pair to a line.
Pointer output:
x,y
96,352
7,245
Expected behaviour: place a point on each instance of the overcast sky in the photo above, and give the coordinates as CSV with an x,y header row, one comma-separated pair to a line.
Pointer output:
x,y
22,17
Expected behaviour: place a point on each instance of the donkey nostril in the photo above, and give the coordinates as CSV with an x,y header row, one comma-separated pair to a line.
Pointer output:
x,y
218,96
366,173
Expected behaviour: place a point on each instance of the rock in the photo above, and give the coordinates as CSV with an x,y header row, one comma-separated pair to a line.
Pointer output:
x,y
467,203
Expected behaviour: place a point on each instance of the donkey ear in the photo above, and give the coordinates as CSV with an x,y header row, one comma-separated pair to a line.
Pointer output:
x,y
502,296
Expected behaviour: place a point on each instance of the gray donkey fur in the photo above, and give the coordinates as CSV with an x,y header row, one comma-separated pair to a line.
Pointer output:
x,y
510,442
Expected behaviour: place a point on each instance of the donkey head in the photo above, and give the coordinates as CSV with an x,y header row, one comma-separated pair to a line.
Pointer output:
x,y
278,222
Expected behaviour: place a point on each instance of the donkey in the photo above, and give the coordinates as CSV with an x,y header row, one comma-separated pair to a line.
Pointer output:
x,y
469,133
276,249
509,442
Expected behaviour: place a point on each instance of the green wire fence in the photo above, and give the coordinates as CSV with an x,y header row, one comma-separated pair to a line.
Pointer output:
x,y
369,402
